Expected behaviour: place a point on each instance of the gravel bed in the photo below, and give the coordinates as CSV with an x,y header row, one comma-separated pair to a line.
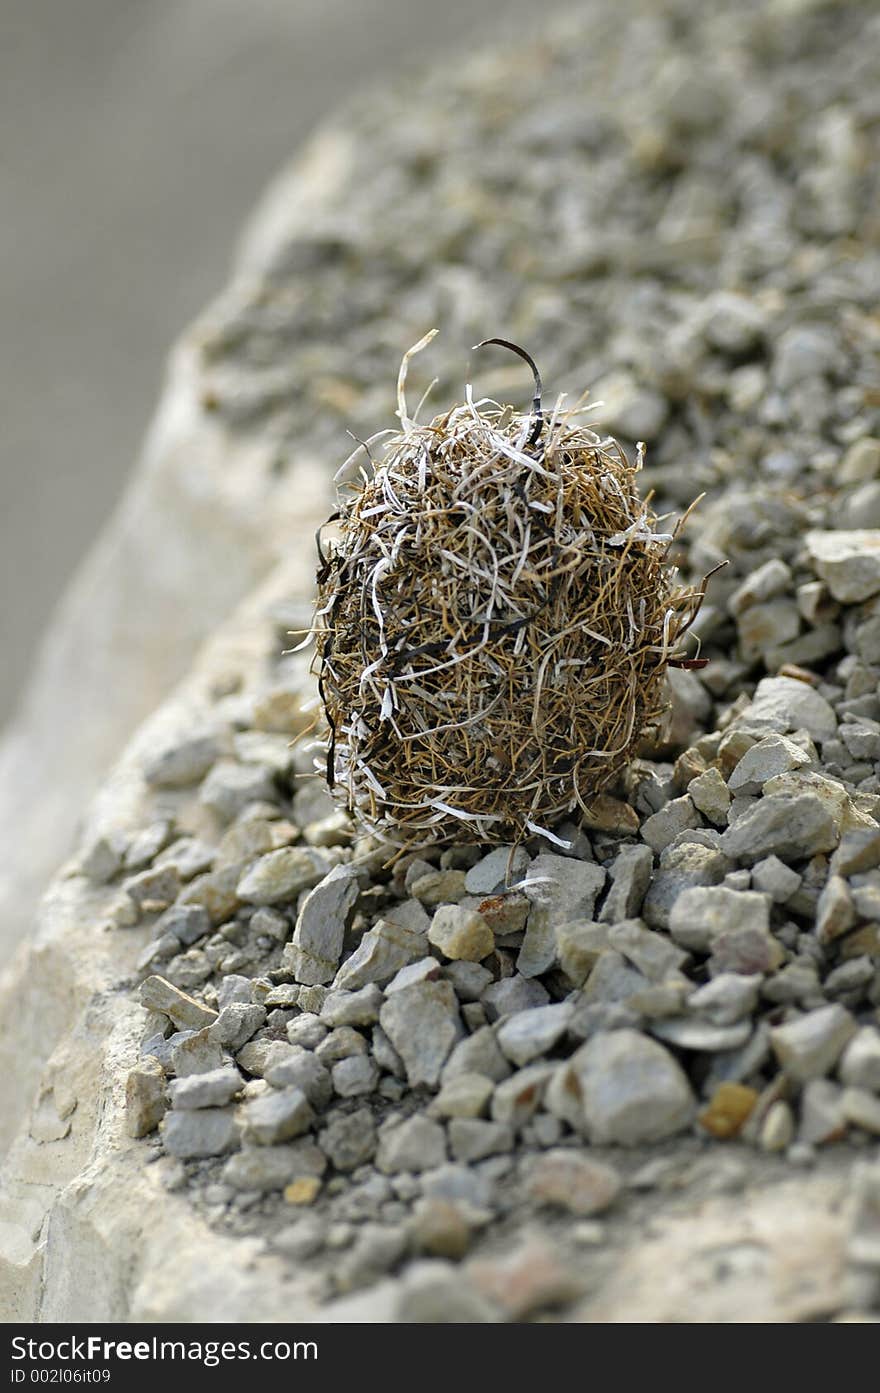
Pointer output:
x,y
448,1068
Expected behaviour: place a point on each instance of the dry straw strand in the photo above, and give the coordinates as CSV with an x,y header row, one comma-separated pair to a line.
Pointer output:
x,y
494,623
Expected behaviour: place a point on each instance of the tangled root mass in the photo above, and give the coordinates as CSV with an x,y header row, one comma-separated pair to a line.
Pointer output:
x,y
494,626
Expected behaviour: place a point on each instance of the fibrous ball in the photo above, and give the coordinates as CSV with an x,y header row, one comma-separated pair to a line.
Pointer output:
x,y
495,619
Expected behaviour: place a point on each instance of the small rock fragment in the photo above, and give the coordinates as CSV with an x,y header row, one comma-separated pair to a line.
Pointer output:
x,y
262,1168
860,1062
237,1023
650,953
281,711
502,867
384,949
314,952
710,795
531,1277
461,933
701,913
777,1128
230,787
217,892
516,1099
764,583
796,827
184,1011
280,875
772,877
470,980
433,1292
862,1109
196,1053
567,1180
784,704
341,1043
302,1069
349,1139
772,755
578,946
416,1145
681,866
516,993
729,1109
354,1076
423,1024
145,1097
187,922
726,999
630,878
438,887
690,1033
102,860
477,1054
206,1132
527,1034
679,815
809,1047
440,1228
835,912
463,1095
304,1190
631,1089
183,762
211,1090
276,1116
822,1115
848,562
474,1138
745,950
352,1008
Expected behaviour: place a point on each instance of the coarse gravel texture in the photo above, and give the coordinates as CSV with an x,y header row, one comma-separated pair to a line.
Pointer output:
x,y
495,1061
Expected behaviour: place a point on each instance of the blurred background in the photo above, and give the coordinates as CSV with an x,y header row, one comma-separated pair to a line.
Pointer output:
x,y
137,136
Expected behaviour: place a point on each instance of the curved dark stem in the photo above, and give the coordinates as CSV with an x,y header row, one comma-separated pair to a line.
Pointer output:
x,y
331,744
326,561
537,412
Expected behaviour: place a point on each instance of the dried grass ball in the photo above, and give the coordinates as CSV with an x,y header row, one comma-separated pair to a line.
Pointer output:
x,y
495,621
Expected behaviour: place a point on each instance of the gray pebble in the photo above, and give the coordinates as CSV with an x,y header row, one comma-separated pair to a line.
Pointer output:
x,y
206,1132
423,1024
316,947
352,1008
280,875
632,1090
630,877
301,1069
261,1168
512,994
279,1115
383,951
183,762
810,1046
860,1062
474,1138
415,1145
212,1090
525,1035
230,787
355,1076
349,1139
